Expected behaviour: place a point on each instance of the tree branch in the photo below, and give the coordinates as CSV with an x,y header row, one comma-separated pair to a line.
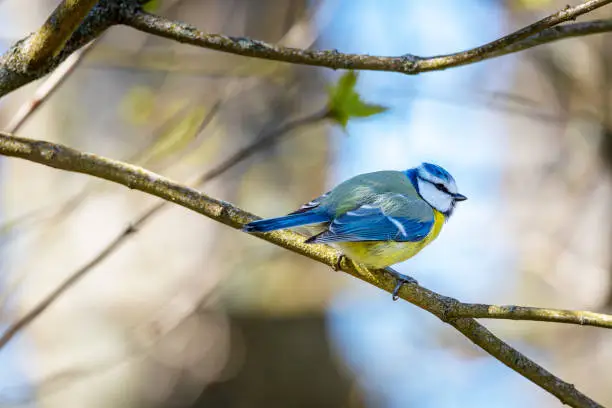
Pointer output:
x,y
50,39
47,88
27,60
530,36
480,311
558,33
65,158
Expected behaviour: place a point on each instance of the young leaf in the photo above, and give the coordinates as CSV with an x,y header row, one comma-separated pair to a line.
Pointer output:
x,y
151,6
345,103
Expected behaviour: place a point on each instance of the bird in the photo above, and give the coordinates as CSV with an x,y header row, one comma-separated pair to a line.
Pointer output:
x,y
376,219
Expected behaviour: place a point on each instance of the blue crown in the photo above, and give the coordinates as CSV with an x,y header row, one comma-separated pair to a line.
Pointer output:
x,y
437,171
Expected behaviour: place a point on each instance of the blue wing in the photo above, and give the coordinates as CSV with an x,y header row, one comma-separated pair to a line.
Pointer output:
x,y
373,223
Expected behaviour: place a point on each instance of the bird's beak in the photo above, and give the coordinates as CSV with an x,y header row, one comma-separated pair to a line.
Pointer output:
x,y
459,197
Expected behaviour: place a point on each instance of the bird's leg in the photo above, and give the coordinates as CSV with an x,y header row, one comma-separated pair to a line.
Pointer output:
x,y
401,280
361,269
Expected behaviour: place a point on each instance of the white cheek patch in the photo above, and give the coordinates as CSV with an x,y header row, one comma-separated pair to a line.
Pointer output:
x,y
439,200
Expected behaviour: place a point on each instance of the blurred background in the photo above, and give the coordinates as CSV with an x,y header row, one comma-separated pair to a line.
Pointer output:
x,y
189,313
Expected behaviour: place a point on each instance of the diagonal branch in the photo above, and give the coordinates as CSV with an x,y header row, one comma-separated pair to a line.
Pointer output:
x,y
537,33
266,140
65,158
238,157
47,88
41,52
50,39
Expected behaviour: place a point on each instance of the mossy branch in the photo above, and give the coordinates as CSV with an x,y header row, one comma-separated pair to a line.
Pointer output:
x,y
445,308
72,25
51,38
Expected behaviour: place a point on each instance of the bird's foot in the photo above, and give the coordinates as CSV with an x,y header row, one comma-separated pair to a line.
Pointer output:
x,y
338,263
401,280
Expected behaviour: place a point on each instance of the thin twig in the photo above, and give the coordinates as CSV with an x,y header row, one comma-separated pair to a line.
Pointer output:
x,y
41,306
526,37
47,88
481,311
74,202
134,177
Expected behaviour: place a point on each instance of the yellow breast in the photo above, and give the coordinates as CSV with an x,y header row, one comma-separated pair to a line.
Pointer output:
x,y
380,254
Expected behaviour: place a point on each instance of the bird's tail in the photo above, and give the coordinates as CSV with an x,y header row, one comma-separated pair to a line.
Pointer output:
x,y
288,221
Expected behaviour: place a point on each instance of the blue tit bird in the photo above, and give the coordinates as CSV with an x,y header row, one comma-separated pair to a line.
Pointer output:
x,y
377,219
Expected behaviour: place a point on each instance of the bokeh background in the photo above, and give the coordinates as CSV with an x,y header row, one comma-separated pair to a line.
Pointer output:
x,y
189,313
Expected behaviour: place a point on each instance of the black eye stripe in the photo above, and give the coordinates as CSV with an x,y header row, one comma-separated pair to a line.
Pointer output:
x,y
441,187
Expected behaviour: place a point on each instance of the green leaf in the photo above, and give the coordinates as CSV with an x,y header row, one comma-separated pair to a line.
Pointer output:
x,y
345,103
151,6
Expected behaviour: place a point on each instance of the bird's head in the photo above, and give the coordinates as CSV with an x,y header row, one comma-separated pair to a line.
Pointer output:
x,y
436,186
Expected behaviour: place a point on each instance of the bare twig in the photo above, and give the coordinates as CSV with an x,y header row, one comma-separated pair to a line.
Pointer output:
x,y
40,307
47,88
133,177
560,33
263,142
141,157
480,311
527,37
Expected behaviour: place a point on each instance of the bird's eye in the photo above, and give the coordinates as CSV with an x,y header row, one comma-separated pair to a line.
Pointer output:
x,y
441,187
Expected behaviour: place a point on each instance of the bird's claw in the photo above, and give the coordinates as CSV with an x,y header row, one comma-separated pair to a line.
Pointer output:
x,y
401,280
338,263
